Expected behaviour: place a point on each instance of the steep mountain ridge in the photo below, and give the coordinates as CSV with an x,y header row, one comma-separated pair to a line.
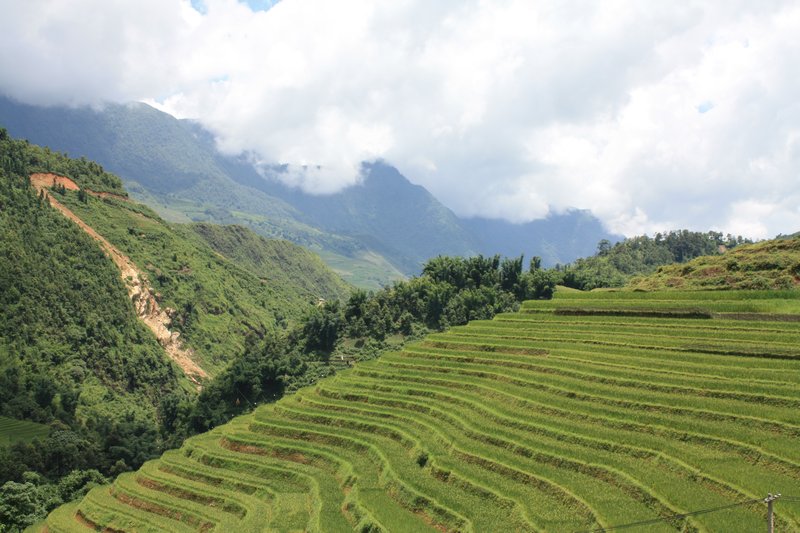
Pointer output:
x,y
377,227
386,211
73,354
216,301
557,239
173,166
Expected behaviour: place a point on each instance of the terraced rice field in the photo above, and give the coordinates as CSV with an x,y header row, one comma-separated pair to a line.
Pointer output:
x,y
12,430
576,414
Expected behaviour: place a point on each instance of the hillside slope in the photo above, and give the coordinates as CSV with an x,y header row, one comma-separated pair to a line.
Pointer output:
x,y
400,220
274,261
213,301
773,264
259,284
95,291
374,231
581,413
557,239
138,286
72,352
173,166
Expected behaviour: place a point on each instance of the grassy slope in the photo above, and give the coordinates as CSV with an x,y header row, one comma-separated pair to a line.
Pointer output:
x,y
344,254
535,420
773,264
277,262
365,270
218,297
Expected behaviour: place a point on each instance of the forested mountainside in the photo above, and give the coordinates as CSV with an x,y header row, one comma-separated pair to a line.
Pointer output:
x,y
72,352
275,261
174,166
394,217
214,301
92,387
75,356
373,233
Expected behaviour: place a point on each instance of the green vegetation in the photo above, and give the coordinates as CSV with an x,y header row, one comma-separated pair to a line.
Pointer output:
x,y
74,358
773,264
72,353
332,335
220,283
26,503
369,232
535,420
276,262
20,430
550,418
174,167
614,265
365,270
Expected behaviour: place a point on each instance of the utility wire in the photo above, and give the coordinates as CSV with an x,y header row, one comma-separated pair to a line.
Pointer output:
x,y
675,516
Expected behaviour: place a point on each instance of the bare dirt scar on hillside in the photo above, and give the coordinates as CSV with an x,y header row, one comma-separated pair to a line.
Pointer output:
x,y
139,290
42,180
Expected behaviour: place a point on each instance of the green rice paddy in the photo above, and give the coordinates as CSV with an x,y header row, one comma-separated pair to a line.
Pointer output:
x,y
577,414
12,430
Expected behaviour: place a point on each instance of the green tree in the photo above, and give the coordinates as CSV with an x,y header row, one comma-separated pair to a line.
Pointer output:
x,y
510,271
78,482
322,325
21,505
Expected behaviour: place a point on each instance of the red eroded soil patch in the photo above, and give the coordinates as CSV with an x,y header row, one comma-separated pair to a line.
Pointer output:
x,y
41,180
167,512
242,448
295,457
48,180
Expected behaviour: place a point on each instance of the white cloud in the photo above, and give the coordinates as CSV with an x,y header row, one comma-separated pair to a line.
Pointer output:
x,y
87,51
654,115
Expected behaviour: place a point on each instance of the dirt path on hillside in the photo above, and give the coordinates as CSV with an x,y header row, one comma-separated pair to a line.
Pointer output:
x,y
139,290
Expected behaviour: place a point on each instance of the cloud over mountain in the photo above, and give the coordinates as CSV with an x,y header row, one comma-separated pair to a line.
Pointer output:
x,y
653,115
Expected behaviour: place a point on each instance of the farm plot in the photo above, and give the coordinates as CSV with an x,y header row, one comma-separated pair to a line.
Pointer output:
x,y
12,430
679,411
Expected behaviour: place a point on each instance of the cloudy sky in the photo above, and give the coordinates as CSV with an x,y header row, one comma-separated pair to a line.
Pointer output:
x,y
654,115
